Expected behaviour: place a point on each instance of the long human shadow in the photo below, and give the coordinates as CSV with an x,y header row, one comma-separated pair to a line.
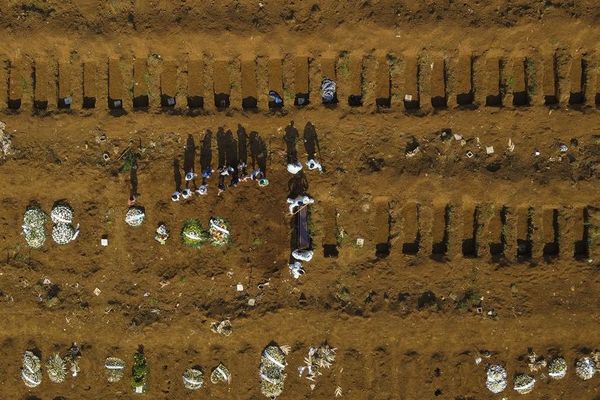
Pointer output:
x,y
133,179
222,148
177,175
231,150
189,153
311,141
206,152
258,151
242,139
290,137
297,185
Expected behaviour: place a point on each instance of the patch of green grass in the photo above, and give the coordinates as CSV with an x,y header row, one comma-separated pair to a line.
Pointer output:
x,y
153,301
129,161
511,82
470,298
24,84
593,233
530,73
343,294
391,58
288,95
147,79
341,237
343,67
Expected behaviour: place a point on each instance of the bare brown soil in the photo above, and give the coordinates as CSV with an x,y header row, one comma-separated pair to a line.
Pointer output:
x,y
498,252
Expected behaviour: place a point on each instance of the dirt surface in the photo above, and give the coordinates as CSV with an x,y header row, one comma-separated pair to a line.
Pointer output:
x,y
463,257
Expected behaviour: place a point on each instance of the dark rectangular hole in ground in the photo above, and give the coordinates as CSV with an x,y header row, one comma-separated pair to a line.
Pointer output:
x,y
249,103
301,99
355,100
468,248
412,104
552,249
581,246
221,100
383,102
496,249
520,99
524,249
581,250
441,248
65,102
550,100
382,250
195,101
597,99
167,101
40,105
410,248
469,245
89,102
493,100
465,99
14,104
439,102
115,104
141,101
576,98
330,250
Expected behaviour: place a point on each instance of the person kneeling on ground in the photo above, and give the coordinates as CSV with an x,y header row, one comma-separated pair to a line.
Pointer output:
x,y
299,202
258,175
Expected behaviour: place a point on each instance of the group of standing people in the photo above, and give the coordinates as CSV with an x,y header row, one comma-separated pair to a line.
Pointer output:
x,y
232,163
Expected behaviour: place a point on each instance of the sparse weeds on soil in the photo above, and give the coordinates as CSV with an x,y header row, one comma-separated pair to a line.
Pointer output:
x,y
341,236
505,83
530,75
147,79
24,84
343,67
470,299
342,294
593,233
129,161
288,95
392,59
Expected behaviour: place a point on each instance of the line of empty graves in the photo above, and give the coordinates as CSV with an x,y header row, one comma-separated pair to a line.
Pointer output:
x,y
409,82
478,231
